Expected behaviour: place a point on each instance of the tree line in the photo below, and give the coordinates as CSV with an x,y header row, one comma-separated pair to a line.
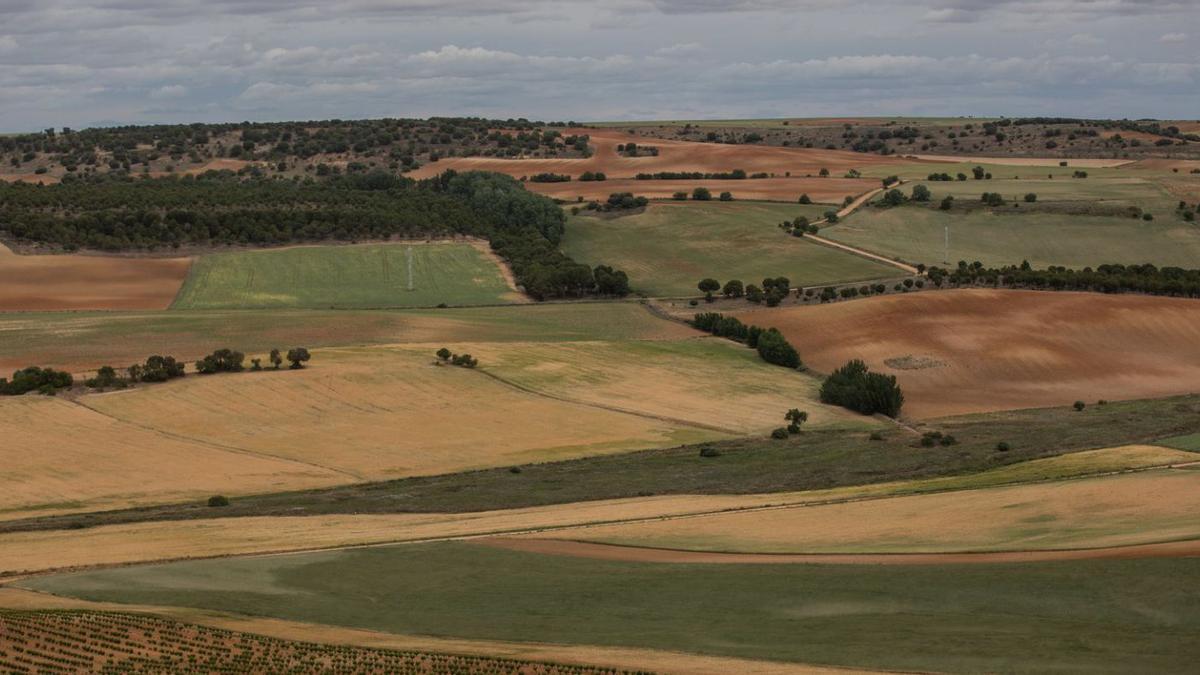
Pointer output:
x,y
1108,278
218,208
771,345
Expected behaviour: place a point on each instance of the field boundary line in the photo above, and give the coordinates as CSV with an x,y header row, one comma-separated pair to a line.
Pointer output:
x,y
9,576
610,408
215,446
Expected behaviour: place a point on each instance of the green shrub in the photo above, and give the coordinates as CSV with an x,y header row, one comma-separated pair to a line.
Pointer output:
x,y
853,386
709,451
1002,446
1080,405
779,434
217,501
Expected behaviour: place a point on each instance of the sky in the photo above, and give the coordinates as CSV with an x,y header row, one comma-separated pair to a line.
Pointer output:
x,y
79,64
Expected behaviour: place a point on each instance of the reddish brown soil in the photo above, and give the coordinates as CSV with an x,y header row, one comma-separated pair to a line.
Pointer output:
x,y
579,549
673,156
57,282
1004,350
821,190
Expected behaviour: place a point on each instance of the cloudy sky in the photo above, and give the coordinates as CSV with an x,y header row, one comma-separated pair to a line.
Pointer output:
x,y
78,63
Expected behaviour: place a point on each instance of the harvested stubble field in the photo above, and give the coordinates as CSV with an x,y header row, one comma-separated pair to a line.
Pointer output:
x,y
820,190
1003,349
69,547
673,156
954,618
671,246
367,275
1123,510
82,341
56,282
60,456
112,642
386,412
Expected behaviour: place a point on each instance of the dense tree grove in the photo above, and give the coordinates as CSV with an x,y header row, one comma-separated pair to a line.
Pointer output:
x,y
33,378
853,386
1111,278
771,345
216,208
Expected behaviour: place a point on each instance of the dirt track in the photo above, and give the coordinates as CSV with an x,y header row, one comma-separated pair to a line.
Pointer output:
x,y
579,549
1004,349
58,282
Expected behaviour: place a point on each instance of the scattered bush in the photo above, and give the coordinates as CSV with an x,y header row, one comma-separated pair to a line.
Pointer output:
x,y
709,451
217,501
42,380
221,361
1002,446
779,434
1080,405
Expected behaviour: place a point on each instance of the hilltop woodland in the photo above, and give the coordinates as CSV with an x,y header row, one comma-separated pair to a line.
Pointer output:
x,y
1026,136
117,213
317,147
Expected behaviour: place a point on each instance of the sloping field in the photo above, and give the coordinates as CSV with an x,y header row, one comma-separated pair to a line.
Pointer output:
x,y
670,247
369,275
999,350
672,156
84,341
110,642
708,381
923,618
918,235
59,456
156,541
820,190
1026,161
41,282
1124,510
386,412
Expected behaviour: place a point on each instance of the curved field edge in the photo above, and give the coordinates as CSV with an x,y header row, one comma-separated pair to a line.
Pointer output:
x,y
1085,514
955,618
646,660
36,551
106,641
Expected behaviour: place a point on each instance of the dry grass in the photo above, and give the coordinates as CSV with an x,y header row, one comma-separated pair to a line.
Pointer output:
x,y
59,457
1109,511
145,542
42,282
387,412
673,156
1003,349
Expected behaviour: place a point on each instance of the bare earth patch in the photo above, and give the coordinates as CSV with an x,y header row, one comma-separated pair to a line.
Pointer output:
x,y
57,282
1006,349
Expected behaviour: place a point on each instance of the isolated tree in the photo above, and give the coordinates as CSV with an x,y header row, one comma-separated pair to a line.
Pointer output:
x,y
708,287
1031,197
444,354
726,196
297,357
256,365
805,199
795,418
824,173
701,194
920,193
679,196
947,203
276,358
893,197
978,172
732,289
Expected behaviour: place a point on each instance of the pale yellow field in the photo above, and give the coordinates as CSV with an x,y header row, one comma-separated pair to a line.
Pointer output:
x,y
143,542
59,456
387,412
708,381
1108,511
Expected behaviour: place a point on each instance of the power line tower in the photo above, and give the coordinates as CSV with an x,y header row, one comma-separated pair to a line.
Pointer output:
x,y
410,268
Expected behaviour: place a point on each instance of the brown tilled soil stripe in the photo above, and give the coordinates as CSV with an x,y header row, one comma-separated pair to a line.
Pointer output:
x,y
579,549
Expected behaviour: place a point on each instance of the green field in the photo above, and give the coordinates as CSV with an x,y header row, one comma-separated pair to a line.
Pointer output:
x,y
321,277
670,247
917,235
86,340
1110,616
